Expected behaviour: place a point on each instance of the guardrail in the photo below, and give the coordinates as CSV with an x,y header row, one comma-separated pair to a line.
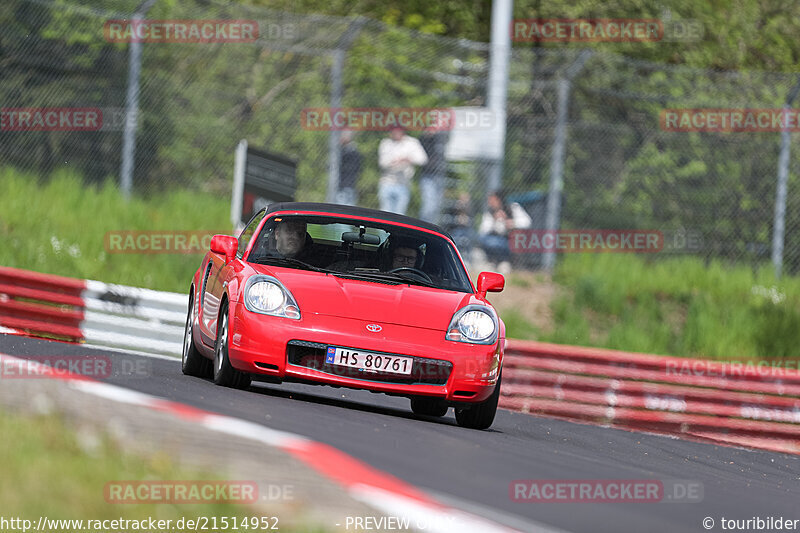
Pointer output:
x,y
755,404
93,312
749,405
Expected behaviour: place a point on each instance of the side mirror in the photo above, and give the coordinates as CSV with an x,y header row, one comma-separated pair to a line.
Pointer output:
x,y
224,245
490,282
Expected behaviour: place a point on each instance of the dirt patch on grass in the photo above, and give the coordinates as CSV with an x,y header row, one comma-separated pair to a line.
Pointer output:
x,y
529,294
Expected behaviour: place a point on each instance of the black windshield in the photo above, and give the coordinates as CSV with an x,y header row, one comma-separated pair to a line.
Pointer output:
x,y
352,248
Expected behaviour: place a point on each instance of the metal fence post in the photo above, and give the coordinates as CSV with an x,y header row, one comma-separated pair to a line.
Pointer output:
x,y
500,53
132,104
553,214
337,68
778,231
780,202
334,154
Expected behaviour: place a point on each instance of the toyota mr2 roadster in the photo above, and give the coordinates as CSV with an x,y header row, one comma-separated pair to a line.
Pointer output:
x,y
349,297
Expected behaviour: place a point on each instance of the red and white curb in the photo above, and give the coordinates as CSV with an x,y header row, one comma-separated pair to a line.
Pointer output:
x,y
364,483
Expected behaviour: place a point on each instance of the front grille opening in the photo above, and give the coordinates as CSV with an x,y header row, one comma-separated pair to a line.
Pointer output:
x,y
423,371
464,393
266,366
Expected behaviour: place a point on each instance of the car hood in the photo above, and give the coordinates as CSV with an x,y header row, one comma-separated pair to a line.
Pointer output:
x,y
409,305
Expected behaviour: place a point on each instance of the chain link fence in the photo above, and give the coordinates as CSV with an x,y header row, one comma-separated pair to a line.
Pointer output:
x,y
593,115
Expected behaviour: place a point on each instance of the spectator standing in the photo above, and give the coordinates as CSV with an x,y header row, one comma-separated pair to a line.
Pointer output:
x,y
432,175
398,155
349,170
461,228
496,222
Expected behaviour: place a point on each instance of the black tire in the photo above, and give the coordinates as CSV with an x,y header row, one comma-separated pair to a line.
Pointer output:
x,y
192,361
224,373
425,406
480,415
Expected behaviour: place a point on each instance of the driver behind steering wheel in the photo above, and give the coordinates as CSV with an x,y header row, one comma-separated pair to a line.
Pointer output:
x,y
404,253
404,257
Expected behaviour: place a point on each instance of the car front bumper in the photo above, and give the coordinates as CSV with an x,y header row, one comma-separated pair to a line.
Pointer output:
x,y
259,344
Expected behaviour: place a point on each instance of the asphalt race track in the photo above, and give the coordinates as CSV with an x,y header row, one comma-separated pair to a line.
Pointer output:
x,y
474,469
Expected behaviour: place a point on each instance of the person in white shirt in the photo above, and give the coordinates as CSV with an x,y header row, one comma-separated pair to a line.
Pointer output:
x,y
398,157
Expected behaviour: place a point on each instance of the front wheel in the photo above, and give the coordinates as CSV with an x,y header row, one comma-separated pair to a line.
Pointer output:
x,y
224,373
192,361
480,415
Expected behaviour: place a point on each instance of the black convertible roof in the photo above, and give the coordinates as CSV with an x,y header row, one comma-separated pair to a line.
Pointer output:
x,y
356,211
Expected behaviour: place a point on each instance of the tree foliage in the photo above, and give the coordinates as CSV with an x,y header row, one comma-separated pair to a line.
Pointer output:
x,y
198,100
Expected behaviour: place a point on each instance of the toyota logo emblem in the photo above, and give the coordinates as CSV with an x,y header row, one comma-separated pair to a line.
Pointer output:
x,y
374,328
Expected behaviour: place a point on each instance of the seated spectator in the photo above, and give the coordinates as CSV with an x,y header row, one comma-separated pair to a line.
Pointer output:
x,y
496,222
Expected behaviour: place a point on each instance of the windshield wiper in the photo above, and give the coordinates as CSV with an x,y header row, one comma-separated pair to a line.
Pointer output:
x,y
350,274
420,281
390,276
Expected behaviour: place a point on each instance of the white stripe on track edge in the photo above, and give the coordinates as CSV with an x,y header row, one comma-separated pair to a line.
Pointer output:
x,y
176,358
164,356
424,517
433,515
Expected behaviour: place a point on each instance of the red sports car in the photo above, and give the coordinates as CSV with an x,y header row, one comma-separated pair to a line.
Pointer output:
x,y
352,297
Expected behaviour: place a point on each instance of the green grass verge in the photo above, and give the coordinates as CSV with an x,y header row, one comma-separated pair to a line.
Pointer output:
x,y
518,327
678,306
58,226
48,471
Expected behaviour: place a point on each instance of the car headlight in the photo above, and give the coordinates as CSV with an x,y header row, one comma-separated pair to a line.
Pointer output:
x,y
475,324
266,295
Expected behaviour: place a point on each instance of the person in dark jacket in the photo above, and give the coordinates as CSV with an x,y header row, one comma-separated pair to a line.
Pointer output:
x,y
349,170
431,182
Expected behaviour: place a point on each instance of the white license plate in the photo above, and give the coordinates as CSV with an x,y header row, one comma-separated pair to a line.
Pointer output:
x,y
368,361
